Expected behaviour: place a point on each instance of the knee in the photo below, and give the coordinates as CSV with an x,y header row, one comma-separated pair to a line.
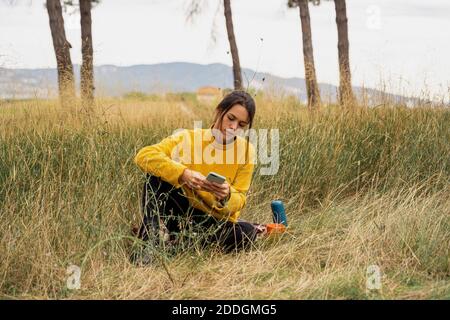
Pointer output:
x,y
154,182
154,185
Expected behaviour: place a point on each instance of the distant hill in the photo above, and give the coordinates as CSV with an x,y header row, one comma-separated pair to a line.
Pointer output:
x,y
113,80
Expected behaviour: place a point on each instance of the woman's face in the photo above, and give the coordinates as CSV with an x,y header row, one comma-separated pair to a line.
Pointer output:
x,y
237,118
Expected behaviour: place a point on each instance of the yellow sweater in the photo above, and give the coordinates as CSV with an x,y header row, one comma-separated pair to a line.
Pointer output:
x,y
168,159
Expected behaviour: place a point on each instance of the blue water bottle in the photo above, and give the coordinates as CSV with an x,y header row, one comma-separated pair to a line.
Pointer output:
x,y
278,212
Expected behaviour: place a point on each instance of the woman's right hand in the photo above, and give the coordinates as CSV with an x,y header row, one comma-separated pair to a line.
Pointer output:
x,y
193,179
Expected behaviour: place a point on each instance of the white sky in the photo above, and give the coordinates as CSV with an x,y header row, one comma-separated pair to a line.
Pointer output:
x,y
405,43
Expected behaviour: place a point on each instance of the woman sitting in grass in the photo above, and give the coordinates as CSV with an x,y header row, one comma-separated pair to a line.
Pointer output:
x,y
178,199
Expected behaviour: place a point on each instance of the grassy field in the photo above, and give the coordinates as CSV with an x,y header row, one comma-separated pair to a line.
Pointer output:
x,y
368,186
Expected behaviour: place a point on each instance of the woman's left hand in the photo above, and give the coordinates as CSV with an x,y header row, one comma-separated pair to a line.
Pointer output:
x,y
221,191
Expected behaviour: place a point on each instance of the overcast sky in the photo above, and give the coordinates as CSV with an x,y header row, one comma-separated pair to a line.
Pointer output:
x,y
404,43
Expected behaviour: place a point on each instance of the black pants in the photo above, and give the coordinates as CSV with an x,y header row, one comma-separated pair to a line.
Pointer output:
x,y
163,203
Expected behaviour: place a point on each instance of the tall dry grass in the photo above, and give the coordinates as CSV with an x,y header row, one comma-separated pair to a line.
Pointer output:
x,y
361,187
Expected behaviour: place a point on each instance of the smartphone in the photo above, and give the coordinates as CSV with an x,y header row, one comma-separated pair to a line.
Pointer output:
x,y
215,177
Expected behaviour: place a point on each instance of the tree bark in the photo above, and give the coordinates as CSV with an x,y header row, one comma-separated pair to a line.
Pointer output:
x,y
233,47
66,81
312,88
346,96
87,66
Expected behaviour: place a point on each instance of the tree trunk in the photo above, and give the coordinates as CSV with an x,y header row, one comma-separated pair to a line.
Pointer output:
x,y
312,88
87,66
66,82
346,96
233,47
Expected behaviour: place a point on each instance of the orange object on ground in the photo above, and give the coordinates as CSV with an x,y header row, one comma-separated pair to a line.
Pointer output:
x,y
275,228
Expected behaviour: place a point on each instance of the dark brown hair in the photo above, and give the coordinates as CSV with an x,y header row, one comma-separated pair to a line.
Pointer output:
x,y
233,98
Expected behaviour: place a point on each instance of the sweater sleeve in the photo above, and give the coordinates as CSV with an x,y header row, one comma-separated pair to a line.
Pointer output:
x,y
156,159
238,189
